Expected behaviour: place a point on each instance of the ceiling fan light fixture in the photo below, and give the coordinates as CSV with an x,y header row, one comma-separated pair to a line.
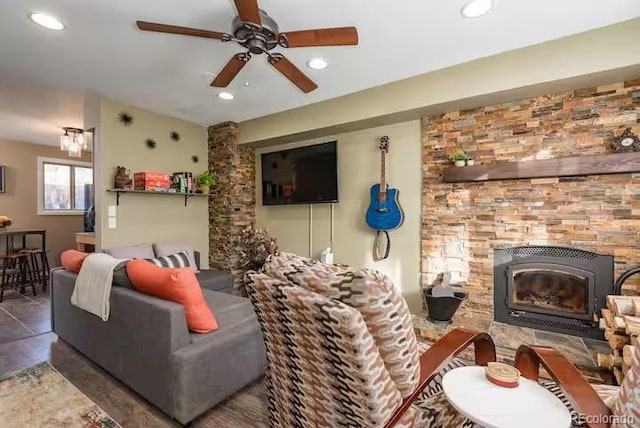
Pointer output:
x,y
227,96
317,63
47,21
476,8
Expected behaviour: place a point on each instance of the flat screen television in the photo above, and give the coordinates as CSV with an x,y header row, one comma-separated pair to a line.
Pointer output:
x,y
306,175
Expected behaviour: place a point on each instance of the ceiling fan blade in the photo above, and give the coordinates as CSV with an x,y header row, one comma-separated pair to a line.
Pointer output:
x,y
293,73
231,70
172,29
321,37
248,11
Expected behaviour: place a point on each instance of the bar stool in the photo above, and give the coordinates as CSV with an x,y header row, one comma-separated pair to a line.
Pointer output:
x,y
39,265
15,272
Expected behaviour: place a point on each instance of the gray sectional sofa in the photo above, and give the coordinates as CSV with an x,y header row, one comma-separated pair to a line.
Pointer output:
x,y
146,345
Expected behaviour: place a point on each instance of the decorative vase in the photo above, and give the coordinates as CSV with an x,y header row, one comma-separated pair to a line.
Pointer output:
x,y
471,162
459,163
205,189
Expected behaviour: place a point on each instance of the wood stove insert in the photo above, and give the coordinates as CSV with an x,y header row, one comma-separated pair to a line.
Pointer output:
x,y
551,288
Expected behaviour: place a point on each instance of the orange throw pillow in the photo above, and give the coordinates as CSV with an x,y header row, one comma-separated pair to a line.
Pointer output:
x,y
72,260
178,285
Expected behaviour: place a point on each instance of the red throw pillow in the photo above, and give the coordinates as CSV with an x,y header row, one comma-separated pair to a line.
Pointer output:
x,y
178,285
72,260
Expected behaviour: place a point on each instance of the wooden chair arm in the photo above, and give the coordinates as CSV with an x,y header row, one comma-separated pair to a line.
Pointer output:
x,y
432,361
585,399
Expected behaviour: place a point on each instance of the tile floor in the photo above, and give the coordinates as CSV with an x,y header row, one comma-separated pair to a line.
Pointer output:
x,y
24,315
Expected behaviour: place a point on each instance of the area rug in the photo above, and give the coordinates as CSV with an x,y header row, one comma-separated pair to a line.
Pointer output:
x,y
40,396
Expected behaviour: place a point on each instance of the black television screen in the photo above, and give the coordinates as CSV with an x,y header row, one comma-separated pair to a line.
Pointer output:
x,y
306,175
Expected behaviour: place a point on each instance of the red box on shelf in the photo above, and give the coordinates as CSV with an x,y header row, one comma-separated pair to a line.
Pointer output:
x,y
151,181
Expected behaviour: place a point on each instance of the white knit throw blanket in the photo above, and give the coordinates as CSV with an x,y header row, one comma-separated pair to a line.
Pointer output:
x,y
93,284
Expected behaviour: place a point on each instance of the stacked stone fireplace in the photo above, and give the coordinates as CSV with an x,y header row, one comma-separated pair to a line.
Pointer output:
x,y
551,288
473,229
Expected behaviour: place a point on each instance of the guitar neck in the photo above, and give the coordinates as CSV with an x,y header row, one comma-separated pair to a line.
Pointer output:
x,y
383,184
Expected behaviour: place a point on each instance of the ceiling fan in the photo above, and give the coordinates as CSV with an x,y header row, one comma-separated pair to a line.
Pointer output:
x,y
258,32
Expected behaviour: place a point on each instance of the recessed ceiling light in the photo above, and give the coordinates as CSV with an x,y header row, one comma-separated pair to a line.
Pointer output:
x,y
225,95
47,21
317,63
476,8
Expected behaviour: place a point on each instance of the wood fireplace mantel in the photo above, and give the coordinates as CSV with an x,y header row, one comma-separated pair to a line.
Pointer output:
x,y
615,163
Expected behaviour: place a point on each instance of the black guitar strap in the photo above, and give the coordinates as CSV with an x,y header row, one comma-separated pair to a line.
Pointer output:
x,y
377,245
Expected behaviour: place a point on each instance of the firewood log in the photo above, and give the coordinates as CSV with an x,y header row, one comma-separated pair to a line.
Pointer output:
x,y
602,324
607,314
617,373
632,325
608,361
619,325
625,368
622,305
627,354
617,341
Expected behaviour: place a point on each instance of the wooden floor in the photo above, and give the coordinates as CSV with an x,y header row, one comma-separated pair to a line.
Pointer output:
x,y
245,409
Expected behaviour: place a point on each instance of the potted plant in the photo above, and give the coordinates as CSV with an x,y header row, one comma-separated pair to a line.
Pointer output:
x,y
206,181
459,159
471,162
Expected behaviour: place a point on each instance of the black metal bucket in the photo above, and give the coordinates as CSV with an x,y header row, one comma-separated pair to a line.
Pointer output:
x,y
443,308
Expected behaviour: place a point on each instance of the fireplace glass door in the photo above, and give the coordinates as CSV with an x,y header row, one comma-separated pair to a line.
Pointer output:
x,y
552,289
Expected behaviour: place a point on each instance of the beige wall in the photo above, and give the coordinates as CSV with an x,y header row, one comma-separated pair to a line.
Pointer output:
x,y
20,201
514,75
358,169
147,218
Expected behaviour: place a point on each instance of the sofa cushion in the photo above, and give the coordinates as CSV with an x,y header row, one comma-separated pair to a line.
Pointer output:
x,y
72,260
176,284
232,313
120,277
168,248
177,260
141,251
373,294
216,280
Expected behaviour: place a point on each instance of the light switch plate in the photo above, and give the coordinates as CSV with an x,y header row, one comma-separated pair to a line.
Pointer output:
x,y
112,211
112,222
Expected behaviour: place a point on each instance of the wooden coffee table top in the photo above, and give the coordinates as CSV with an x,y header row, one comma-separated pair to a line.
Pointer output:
x,y
492,406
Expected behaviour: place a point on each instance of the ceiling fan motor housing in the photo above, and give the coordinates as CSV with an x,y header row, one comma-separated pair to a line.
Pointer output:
x,y
258,39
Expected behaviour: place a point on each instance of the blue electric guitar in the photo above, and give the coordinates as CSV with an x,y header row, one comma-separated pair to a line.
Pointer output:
x,y
384,212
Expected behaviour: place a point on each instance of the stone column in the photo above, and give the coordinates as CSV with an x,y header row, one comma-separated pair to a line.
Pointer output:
x,y
232,205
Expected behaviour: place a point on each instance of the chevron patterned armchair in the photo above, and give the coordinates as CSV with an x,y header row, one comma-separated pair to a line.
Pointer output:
x,y
341,351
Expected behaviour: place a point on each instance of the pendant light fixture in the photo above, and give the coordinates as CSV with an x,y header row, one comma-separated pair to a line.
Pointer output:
x,y
73,141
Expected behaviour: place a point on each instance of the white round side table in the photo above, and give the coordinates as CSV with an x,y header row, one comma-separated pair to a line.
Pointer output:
x,y
527,405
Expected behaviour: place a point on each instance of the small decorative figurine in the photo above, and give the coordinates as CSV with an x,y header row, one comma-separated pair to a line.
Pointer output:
x,y
123,179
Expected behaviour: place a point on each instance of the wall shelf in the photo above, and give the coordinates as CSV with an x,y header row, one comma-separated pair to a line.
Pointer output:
x,y
186,196
615,163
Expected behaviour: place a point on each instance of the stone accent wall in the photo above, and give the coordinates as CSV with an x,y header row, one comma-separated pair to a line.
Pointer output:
x,y
464,222
232,206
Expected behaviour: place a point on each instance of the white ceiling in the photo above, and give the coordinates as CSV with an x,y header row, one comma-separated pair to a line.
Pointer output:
x,y
45,75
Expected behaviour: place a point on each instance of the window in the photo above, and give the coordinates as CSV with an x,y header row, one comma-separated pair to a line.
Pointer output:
x,y
64,186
